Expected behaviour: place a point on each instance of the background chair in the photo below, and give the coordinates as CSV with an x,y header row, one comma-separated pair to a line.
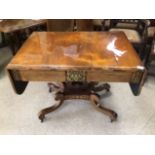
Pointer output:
x,y
60,25
150,61
83,25
135,30
151,30
151,42
98,24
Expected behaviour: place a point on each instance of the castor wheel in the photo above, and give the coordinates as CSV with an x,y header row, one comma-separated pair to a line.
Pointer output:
x,y
41,117
113,116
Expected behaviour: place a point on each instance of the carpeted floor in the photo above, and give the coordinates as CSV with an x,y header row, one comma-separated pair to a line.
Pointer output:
x,y
18,113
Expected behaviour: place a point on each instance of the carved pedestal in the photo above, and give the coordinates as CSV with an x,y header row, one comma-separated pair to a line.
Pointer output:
x,y
79,90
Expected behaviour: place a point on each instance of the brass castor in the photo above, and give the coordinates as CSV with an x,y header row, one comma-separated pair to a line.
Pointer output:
x,y
114,116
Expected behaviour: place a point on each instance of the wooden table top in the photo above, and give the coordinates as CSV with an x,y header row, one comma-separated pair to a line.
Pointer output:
x,y
10,25
76,50
76,56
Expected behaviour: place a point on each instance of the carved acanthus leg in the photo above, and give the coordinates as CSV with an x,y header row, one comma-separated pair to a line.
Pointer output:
x,y
45,111
94,98
78,90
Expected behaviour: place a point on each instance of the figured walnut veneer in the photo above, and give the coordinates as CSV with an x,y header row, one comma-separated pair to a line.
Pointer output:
x,y
104,56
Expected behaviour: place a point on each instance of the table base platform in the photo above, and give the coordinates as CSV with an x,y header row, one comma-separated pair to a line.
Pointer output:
x,y
79,90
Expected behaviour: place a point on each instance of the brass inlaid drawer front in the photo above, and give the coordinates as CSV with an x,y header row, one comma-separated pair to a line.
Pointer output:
x,y
76,76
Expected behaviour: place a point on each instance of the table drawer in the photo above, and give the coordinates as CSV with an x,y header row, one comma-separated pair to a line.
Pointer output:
x,y
98,75
41,75
109,76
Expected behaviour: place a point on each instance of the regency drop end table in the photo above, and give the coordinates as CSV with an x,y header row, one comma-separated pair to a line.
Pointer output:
x,y
79,61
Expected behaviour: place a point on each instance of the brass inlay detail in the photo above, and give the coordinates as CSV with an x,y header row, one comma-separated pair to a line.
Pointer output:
x,y
85,97
76,75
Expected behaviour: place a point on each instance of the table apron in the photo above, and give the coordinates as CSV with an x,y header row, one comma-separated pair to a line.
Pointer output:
x,y
95,75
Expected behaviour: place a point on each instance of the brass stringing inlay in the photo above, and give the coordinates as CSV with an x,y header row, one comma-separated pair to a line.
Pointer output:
x,y
76,76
